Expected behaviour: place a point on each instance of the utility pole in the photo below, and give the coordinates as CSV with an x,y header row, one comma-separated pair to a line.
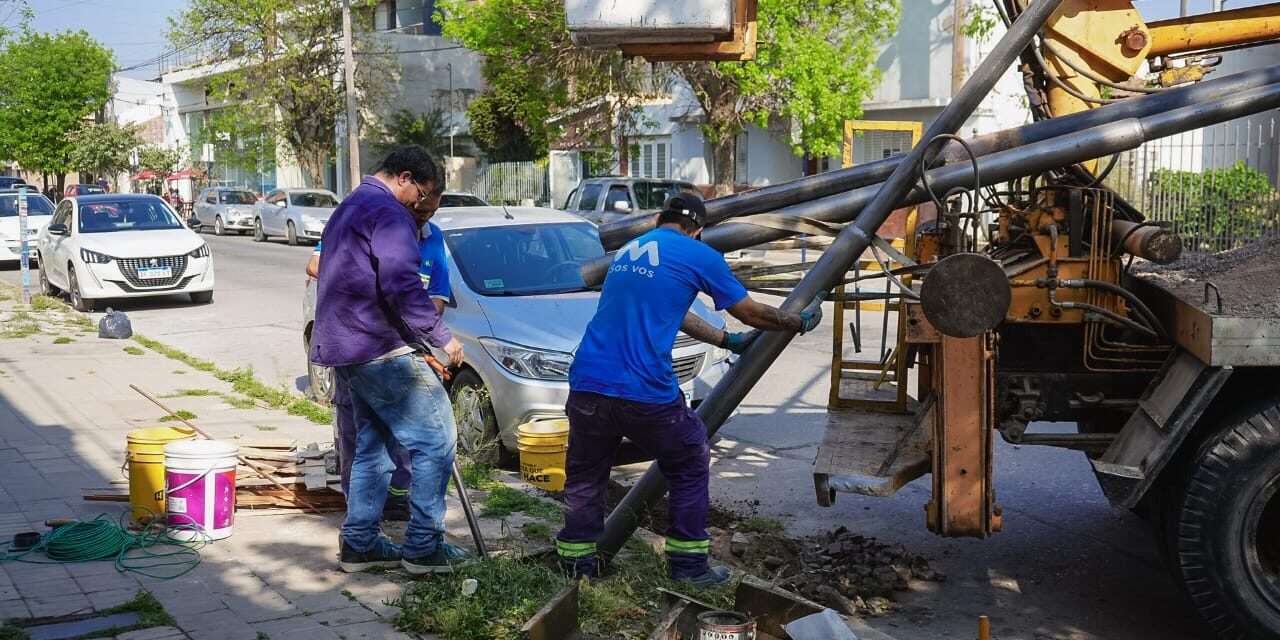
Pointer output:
x,y
349,77
1186,8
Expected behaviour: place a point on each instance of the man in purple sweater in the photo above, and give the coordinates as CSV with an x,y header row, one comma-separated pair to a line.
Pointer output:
x,y
373,321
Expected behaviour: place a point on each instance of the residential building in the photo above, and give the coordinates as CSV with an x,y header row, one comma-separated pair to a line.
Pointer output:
x,y
917,83
432,73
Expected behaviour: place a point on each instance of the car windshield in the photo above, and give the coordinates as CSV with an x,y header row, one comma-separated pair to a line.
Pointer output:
x,y
37,205
460,200
126,215
652,194
312,199
524,260
237,197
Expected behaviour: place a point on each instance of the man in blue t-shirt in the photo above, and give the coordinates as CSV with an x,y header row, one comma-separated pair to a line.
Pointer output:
x,y
622,385
434,271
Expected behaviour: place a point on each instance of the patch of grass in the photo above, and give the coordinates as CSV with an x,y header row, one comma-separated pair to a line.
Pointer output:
x,y
62,340
191,393
245,383
20,325
511,590
150,614
47,303
178,372
263,636
181,414
536,530
503,501
263,427
80,321
238,402
133,351
348,595
761,524
10,632
479,476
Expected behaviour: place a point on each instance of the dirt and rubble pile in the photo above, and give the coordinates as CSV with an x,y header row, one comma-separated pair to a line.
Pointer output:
x,y
851,573
1248,278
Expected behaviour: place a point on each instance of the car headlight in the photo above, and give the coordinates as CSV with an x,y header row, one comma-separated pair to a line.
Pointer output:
x,y
539,364
93,257
201,251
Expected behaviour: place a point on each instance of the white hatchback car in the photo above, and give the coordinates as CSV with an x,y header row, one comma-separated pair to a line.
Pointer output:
x,y
121,246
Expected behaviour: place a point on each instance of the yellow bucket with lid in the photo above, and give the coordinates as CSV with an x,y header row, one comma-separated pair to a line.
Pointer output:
x,y
543,446
144,455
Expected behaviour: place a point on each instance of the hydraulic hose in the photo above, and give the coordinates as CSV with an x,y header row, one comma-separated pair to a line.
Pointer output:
x,y
1136,302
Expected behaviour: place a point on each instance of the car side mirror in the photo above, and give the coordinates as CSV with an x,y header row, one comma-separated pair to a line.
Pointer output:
x,y
58,229
621,206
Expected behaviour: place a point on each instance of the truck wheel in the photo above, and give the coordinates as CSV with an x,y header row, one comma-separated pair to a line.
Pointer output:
x,y
1227,537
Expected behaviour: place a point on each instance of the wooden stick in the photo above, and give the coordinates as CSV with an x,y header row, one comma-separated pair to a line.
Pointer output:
x,y
256,467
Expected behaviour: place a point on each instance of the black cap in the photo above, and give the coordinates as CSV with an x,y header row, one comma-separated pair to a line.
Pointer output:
x,y
687,205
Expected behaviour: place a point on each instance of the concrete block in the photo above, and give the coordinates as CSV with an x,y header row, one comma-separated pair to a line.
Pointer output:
x,y
103,600
370,631
46,607
20,572
261,607
48,588
222,624
14,610
344,616
107,582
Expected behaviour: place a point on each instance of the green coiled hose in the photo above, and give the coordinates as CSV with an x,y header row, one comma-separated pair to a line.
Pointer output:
x,y
151,552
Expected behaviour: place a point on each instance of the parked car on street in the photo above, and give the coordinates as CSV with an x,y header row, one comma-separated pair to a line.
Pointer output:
x,y
607,199
454,199
225,209
121,246
296,214
39,212
82,190
9,182
520,309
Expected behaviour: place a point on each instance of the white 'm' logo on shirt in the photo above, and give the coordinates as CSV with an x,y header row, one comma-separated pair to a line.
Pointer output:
x,y
634,250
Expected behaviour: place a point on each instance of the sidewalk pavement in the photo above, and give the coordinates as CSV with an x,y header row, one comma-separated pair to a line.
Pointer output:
x,y
64,413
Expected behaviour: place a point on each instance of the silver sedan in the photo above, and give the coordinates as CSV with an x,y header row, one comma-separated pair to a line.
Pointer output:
x,y
520,309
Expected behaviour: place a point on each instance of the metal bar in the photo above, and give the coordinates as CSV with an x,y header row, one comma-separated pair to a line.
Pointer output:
x,y
831,267
997,167
1210,30
470,513
616,234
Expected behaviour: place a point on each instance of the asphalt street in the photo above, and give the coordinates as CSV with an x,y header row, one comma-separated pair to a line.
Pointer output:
x,y
1067,565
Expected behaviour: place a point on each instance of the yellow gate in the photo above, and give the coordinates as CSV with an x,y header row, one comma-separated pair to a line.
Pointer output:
x,y
878,384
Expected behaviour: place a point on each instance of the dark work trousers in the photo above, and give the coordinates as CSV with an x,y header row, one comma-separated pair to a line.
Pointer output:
x,y
345,415
674,436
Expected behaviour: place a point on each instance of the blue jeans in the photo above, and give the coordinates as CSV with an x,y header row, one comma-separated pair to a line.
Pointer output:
x,y
401,399
345,441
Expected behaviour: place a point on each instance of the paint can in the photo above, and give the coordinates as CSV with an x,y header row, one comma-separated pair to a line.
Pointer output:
x,y
725,625
200,488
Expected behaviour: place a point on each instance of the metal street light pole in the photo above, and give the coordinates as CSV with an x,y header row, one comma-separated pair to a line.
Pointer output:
x,y
353,116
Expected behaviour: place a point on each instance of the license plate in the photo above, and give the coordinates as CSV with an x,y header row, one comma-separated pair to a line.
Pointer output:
x,y
154,273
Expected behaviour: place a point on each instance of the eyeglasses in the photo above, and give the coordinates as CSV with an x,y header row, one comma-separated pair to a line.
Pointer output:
x,y
422,195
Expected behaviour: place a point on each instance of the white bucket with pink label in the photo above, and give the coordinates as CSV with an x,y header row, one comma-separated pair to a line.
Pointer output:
x,y
200,488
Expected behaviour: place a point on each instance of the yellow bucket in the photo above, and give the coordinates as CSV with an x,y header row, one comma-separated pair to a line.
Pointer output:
x,y
543,445
144,456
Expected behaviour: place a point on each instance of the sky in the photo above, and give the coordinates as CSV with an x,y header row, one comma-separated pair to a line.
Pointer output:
x,y
135,29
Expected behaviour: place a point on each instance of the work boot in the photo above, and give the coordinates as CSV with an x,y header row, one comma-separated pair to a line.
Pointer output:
x,y
437,561
586,567
396,508
383,553
712,578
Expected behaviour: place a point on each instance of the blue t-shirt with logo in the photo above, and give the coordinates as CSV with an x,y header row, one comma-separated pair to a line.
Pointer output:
x,y
433,269
626,352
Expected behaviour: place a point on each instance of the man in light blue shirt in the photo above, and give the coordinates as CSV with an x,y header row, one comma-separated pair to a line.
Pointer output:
x,y
622,385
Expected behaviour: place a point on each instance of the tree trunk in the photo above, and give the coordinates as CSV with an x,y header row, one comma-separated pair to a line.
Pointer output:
x,y
44,177
313,164
61,180
724,163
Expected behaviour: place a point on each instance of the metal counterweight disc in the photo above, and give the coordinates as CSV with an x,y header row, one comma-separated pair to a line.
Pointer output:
x,y
965,294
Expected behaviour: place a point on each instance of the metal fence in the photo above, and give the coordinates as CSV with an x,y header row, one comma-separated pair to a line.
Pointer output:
x,y
1215,186
512,183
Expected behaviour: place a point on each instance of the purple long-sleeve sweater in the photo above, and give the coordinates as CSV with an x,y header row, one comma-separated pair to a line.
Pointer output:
x,y
370,300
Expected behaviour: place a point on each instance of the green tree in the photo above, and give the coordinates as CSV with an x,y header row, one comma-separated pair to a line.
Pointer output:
x,y
430,130
163,161
533,71
285,86
102,149
815,66
51,85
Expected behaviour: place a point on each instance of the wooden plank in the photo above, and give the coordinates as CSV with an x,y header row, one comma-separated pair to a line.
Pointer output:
x,y
266,443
